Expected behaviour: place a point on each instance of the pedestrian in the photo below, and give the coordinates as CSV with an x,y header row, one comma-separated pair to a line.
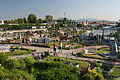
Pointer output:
x,y
55,50
30,40
42,56
60,47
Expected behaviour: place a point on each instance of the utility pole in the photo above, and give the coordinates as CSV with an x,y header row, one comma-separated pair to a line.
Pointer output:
x,y
64,14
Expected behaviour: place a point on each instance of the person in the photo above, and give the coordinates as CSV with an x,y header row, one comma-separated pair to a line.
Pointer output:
x,y
42,56
60,47
55,50
30,40
54,45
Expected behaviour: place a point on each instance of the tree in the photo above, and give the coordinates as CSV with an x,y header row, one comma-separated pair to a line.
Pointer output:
x,y
87,77
65,20
57,74
3,59
32,18
99,77
49,18
13,64
40,20
25,21
7,22
20,21
79,25
29,63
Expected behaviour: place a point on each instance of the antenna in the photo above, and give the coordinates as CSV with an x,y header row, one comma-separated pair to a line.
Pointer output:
x,y
64,14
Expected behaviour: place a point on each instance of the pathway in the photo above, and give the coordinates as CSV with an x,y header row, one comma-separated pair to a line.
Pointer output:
x,y
67,53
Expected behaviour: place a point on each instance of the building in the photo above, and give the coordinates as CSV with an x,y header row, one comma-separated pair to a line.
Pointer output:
x,y
44,40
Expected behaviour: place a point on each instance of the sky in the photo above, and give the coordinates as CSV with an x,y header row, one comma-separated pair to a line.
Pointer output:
x,y
74,9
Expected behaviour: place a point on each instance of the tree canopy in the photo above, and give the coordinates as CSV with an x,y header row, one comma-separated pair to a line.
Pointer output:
x,y
32,18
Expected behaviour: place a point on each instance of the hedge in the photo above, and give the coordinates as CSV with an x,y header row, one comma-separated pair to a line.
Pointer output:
x,y
41,45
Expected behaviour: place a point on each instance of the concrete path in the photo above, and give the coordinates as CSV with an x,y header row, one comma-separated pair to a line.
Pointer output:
x,y
67,54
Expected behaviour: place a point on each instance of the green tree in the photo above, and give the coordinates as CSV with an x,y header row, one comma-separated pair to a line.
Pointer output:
x,y
12,64
99,77
29,63
57,74
40,20
32,18
79,25
20,21
6,22
3,59
49,18
87,77
25,20
65,21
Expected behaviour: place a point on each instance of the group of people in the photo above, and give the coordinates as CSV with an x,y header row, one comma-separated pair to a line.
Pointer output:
x,y
57,49
27,40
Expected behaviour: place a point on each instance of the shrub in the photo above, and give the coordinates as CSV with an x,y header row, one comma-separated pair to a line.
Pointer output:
x,y
41,45
87,77
47,53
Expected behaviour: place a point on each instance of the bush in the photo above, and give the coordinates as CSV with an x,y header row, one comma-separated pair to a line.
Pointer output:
x,y
57,74
99,77
17,52
47,53
27,49
3,59
87,77
8,43
41,45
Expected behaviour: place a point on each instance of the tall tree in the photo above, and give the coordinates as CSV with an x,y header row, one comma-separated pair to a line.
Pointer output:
x,y
49,18
32,18
25,21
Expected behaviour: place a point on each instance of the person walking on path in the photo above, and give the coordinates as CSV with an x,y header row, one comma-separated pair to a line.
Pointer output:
x,y
54,49
60,47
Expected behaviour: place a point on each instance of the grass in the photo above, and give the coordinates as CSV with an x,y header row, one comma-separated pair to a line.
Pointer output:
x,y
75,45
18,52
116,71
103,50
92,56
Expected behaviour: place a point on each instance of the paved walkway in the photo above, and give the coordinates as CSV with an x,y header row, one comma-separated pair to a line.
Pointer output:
x,y
67,53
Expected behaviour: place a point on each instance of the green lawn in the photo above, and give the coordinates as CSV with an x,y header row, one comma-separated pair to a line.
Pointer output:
x,y
103,50
17,52
116,71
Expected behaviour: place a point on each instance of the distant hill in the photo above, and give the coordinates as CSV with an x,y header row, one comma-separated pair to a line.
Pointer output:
x,y
93,20
89,19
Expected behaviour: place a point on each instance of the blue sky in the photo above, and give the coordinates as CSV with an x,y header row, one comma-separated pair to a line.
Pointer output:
x,y
75,9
